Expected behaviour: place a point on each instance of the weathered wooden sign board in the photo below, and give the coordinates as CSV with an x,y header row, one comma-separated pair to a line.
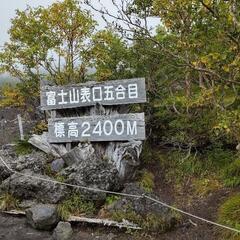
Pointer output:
x,y
117,127
116,92
122,127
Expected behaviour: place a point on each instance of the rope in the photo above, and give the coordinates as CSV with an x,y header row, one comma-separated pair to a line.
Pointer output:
x,y
125,195
14,120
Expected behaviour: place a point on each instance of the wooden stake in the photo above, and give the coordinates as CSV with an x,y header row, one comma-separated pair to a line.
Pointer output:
x,y
20,127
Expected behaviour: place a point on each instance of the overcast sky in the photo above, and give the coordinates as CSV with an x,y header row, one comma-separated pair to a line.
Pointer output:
x,y
8,8
7,11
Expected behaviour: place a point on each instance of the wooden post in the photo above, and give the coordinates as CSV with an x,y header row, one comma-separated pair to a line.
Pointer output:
x,y
2,128
20,127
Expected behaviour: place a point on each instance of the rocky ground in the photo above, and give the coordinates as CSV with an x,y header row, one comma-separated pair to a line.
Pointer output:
x,y
188,229
17,227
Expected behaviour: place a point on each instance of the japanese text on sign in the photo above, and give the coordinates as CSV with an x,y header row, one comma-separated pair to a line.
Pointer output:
x,y
108,93
101,128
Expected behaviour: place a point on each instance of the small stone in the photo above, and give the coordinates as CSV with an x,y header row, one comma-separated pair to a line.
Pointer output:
x,y
57,165
63,231
42,216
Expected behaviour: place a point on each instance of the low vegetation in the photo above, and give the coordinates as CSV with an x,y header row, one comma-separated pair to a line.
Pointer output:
x,y
149,222
40,127
8,202
147,181
75,205
111,199
23,147
228,214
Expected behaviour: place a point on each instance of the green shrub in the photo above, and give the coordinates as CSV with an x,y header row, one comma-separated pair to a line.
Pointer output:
x,y
128,215
40,127
149,154
229,214
179,166
75,205
8,202
23,147
147,181
111,199
149,223
232,174
204,186
217,157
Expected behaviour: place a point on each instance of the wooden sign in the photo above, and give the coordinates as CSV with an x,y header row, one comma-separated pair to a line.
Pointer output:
x,y
117,92
122,127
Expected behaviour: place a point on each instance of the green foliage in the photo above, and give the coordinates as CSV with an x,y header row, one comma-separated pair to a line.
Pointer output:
x,y
228,214
37,34
204,186
228,125
149,223
129,215
48,170
76,206
231,174
147,181
111,199
180,167
110,56
154,223
218,157
205,168
48,43
23,147
60,178
40,128
11,96
56,176
149,155
8,202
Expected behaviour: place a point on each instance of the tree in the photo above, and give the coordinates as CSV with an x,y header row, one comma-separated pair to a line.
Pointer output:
x,y
110,56
191,64
49,43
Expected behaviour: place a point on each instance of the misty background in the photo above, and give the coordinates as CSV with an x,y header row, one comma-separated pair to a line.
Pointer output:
x,y
8,12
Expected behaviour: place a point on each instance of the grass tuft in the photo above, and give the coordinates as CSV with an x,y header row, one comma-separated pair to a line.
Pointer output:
x,y
8,202
229,214
232,174
75,205
147,181
23,147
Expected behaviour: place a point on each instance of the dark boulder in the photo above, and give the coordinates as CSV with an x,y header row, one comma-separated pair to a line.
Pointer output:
x,y
42,216
24,188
